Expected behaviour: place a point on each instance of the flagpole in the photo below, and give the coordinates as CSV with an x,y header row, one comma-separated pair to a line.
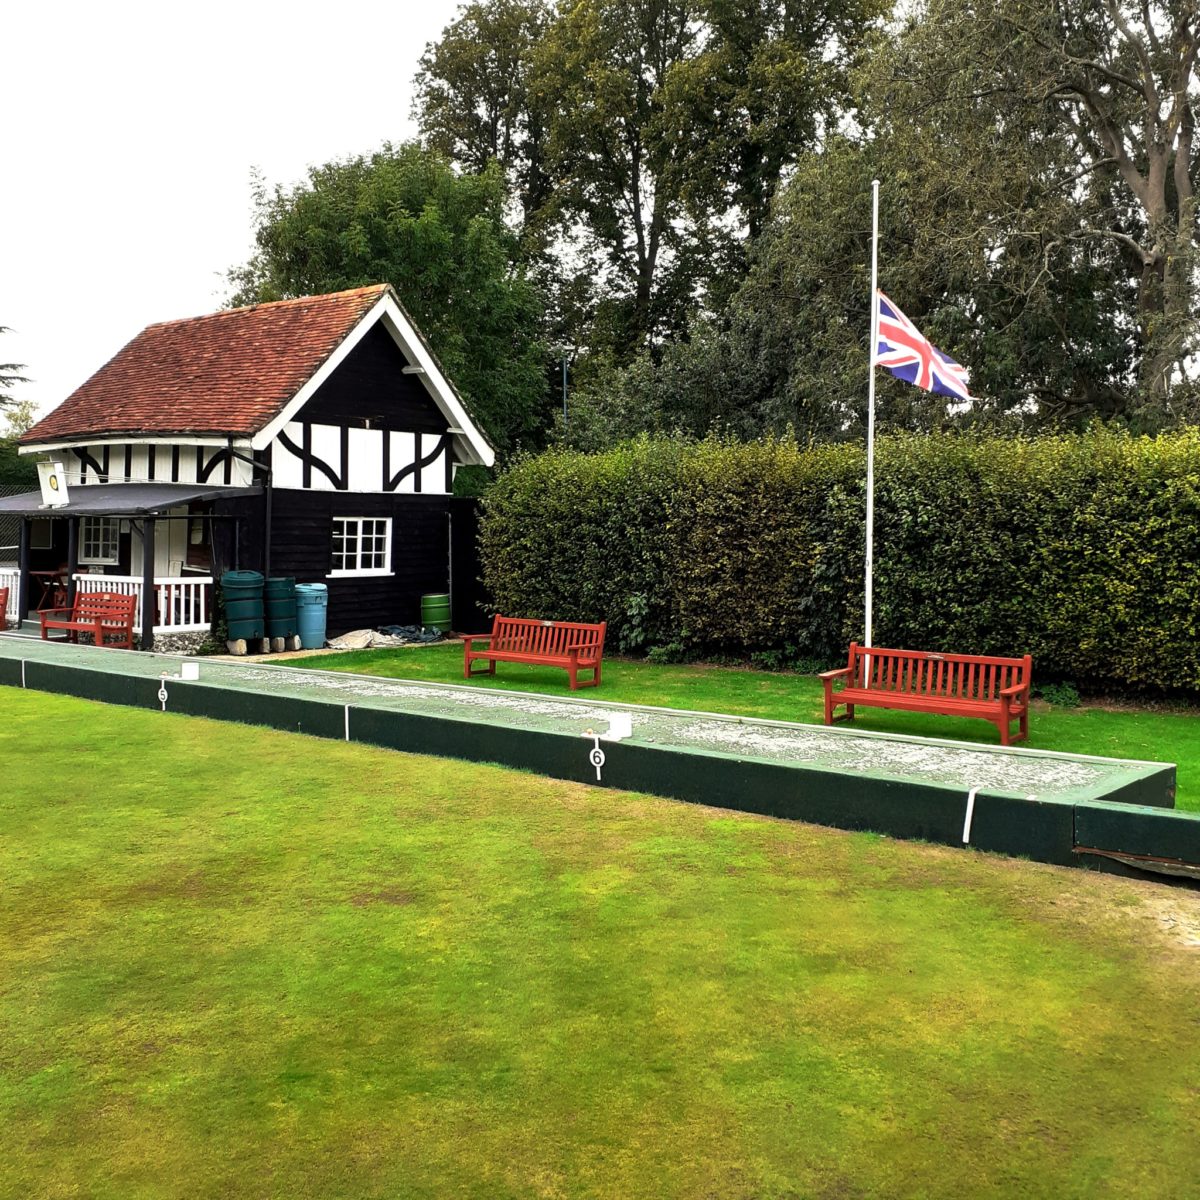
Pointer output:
x,y
868,590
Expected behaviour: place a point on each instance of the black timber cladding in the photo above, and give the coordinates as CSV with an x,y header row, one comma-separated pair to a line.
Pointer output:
x,y
423,528
369,385
302,547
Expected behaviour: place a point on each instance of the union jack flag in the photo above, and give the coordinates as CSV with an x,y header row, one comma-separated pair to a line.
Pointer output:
x,y
909,355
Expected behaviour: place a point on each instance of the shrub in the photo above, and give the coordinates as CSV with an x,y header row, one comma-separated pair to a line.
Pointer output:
x,y
1081,550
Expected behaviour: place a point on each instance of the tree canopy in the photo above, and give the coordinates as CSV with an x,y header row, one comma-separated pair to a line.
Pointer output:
x,y
1092,105
10,376
646,138
403,216
15,469
678,193
1038,222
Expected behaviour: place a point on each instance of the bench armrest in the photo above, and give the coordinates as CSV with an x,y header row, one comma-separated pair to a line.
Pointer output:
x,y
49,612
834,674
1016,690
593,645
476,637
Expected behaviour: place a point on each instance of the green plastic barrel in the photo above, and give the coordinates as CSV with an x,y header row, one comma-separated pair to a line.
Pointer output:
x,y
280,602
243,595
435,611
243,610
242,585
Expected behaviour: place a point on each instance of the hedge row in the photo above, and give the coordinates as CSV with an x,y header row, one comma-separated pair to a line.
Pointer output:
x,y
1081,550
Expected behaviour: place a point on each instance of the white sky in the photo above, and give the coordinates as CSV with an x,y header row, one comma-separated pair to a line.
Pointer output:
x,y
127,141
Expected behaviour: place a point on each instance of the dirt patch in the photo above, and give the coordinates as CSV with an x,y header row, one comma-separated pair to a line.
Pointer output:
x,y
1160,914
392,896
183,885
1177,914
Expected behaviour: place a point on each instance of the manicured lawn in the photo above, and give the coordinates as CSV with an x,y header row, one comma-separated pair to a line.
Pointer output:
x,y
1158,735
240,963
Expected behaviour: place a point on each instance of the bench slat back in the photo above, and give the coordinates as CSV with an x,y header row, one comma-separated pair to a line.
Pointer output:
x,y
925,673
112,607
523,635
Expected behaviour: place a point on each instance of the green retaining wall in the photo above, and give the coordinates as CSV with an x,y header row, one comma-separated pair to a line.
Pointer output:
x,y
1046,830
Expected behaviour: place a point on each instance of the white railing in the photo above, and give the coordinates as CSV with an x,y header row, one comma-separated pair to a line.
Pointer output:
x,y
184,602
10,577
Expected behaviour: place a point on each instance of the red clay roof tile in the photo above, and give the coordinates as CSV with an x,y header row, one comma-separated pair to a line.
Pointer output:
x,y
228,373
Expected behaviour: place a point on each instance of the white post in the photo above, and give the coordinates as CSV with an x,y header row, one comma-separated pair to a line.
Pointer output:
x,y
868,590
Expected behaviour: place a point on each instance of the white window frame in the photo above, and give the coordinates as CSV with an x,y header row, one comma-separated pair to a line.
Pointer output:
x,y
107,537
359,571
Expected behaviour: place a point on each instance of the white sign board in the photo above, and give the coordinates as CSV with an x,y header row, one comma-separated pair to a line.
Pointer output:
x,y
53,479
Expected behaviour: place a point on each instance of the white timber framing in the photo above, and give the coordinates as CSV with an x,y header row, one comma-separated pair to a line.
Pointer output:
x,y
473,447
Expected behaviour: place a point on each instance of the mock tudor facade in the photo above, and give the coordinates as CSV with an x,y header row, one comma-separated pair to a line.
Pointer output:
x,y
316,437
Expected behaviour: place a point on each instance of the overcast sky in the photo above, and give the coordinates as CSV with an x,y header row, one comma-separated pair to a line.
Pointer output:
x,y
128,138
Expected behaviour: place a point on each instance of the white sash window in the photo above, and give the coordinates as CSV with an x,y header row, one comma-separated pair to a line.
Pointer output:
x,y
362,546
98,539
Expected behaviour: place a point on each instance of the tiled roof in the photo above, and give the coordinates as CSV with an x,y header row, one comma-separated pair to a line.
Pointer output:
x,y
228,373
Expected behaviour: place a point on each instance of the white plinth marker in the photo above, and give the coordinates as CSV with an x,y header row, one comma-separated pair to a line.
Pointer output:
x,y
595,754
970,814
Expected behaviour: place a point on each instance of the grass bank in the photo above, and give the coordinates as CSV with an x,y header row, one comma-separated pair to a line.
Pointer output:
x,y
1163,736
237,962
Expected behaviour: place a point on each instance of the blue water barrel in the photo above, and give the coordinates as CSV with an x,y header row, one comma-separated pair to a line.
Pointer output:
x,y
312,600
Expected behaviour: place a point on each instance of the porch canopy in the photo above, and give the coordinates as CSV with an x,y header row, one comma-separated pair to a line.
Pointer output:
x,y
121,499
178,603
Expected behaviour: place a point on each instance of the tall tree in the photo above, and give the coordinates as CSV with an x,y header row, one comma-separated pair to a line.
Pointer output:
x,y
10,374
474,98
771,80
1013,242
663,129
404,216
619,155
1116,82
16,470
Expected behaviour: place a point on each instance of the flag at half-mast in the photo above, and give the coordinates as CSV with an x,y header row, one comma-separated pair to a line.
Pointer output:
x,y
902,349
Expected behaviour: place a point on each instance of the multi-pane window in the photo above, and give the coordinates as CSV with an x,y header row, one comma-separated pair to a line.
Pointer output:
x,y
98,539
362,546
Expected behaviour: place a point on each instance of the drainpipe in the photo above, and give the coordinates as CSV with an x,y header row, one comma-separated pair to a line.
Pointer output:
x,y
255,465
267,529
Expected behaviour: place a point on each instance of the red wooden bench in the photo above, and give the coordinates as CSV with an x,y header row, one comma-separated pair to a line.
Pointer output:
x,y
3,608
102,614
568,644
952,685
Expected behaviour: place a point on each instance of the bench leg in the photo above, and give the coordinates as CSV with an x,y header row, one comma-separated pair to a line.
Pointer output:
x,y
832,704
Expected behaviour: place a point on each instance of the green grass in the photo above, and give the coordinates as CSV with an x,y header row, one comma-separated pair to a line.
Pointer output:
x,y
240,963
1162,736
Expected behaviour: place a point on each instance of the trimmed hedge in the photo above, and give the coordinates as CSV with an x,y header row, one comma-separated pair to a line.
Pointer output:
x,y
1081,550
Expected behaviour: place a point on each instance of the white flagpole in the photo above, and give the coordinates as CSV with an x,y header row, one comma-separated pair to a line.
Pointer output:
x,y
871,407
